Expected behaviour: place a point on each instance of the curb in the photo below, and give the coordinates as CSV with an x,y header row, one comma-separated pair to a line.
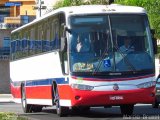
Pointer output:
x,y
6,98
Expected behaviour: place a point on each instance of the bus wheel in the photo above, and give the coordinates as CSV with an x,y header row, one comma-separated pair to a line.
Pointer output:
x,y
127,109
155,104
27,108
61,110
81,109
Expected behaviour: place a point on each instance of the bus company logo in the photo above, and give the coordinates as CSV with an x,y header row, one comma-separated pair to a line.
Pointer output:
x,y
115,87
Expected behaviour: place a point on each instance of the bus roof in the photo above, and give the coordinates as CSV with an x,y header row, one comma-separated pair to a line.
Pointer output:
x,y
89,9
113,8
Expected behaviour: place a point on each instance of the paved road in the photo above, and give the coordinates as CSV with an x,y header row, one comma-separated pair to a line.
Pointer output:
x,y
141,112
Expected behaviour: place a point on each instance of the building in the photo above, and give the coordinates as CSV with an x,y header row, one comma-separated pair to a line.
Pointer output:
x,y
13,14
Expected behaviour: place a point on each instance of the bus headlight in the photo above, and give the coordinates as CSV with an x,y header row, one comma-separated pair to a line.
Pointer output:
x,y
147,84
82,87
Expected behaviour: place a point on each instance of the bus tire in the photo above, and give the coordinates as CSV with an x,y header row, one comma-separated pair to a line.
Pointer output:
x,y
155,104
61,110
37,108
53,92
27,108
127,109
81,109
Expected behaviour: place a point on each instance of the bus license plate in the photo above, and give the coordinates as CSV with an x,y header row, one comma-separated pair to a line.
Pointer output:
x,y
117,97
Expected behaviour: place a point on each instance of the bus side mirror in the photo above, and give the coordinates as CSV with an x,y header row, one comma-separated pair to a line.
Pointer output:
x,y
67,29
154,41
152,32
64,39
154,45
63,44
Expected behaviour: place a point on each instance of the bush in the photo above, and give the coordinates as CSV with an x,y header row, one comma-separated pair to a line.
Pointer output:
x,y
153,10
10,116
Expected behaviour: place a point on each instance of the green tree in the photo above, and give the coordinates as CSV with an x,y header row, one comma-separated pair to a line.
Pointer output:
x,y
91,2
152,8
64,3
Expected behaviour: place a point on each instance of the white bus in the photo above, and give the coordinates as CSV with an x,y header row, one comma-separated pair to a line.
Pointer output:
x,y
72,58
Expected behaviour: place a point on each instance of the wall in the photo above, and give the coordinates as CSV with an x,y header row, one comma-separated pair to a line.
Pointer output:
x,y
3,1
4,33
4,77
4,66
27,7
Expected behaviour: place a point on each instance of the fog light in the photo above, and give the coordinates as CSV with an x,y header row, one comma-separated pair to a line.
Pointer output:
x,y
77,97
152,94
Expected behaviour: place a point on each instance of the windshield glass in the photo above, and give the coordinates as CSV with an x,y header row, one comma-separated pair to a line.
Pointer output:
x,y
110,43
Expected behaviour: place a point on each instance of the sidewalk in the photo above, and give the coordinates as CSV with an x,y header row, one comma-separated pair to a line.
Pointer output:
x,y
6,98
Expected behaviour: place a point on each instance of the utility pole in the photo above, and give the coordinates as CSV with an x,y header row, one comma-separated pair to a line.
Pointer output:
x,y
39,7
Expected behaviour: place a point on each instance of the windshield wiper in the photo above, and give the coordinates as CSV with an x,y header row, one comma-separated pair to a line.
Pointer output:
x,y
125,58
122,54
100,62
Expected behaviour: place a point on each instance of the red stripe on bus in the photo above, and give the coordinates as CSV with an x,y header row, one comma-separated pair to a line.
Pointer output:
x,y
38,92
45,92
65,91
15,91
42,92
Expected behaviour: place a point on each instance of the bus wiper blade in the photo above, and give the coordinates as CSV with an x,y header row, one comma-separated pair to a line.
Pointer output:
x,y
99,65
100,60
125,59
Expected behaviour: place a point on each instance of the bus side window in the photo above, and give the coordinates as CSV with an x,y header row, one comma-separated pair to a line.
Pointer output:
x,y
55,35
46,38
24,45
13,49
31,41
52,43
56,39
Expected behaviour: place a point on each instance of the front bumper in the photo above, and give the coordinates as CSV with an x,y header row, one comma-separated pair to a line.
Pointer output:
x,y
104,98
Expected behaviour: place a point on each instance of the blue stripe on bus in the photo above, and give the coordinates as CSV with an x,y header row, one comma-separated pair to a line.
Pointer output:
x,y
46,82
42,82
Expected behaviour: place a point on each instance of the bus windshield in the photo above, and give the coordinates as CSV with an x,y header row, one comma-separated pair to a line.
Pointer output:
x,y
110,43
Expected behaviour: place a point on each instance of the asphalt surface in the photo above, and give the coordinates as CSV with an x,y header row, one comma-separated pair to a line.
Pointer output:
x,y
141,112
